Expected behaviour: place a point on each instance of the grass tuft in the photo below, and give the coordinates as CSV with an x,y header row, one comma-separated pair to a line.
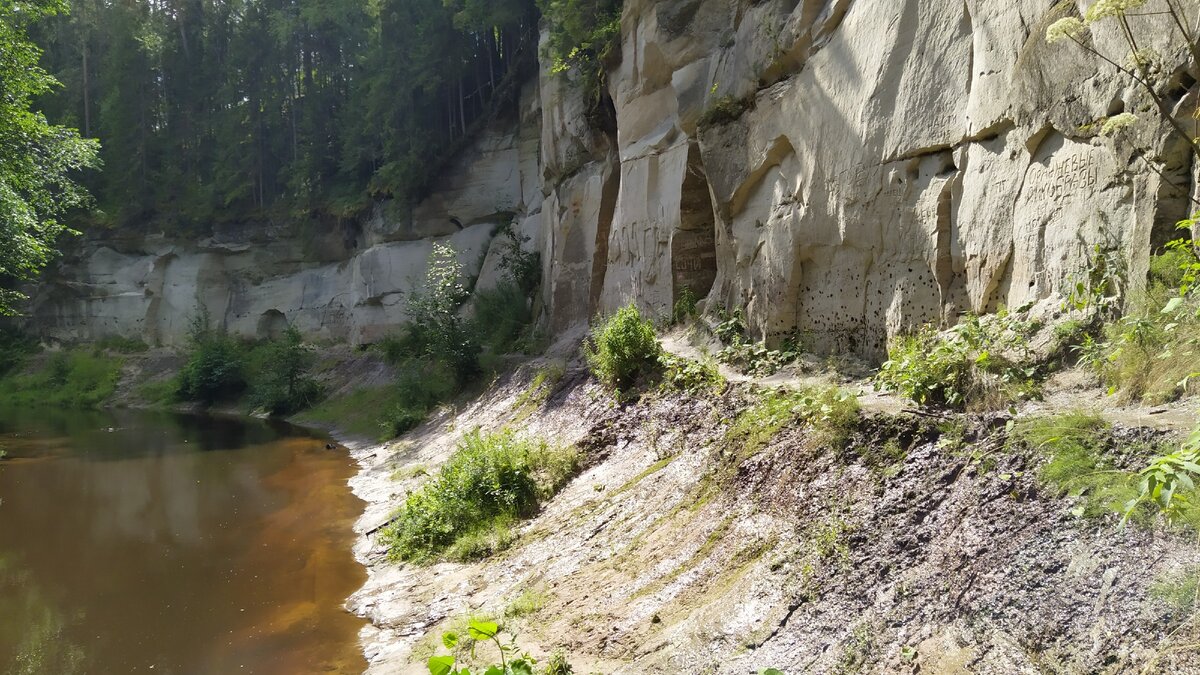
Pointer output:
x,y
468,510
1077,464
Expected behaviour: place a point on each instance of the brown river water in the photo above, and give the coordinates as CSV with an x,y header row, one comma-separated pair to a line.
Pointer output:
x,y
135,542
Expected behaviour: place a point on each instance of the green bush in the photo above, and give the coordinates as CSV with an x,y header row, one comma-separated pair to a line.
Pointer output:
x,y
1151,355
14,347
513,661
982,363
1168,483
420,387
1153,352
753,358
437,351
215,367
1078,464
623,348
1167,269
502,316
691,376
281,384
522,268
685,307
361,412
436,329
490,482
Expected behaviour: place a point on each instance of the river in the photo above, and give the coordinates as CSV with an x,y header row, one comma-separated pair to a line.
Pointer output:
x,y
140,542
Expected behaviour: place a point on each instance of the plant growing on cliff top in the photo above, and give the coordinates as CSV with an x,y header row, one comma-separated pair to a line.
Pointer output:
x,y
490,482
623,348
724,110
982,363
1143,65
582,38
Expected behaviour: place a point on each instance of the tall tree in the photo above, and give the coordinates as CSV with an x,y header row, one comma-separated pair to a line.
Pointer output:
x,y
38,160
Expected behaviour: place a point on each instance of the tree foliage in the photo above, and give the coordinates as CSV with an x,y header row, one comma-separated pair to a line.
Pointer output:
x,y
236,110
582,38
38,160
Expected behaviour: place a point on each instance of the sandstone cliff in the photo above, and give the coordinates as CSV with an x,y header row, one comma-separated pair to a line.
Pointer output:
x,y
841,169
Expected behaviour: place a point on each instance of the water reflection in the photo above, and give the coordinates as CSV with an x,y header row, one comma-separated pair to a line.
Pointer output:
x,y
37,623
175,543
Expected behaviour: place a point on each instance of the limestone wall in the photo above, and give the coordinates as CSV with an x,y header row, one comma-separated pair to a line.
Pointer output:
x,y
882,164
347,285
900,161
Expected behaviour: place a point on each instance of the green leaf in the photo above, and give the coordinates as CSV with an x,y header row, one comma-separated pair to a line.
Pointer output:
x,y
772,671
494,670
441,665
483,630
1172,305
450,640
520,667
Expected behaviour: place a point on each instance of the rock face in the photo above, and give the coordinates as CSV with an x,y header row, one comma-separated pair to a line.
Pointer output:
x,y
885,163
841,170
347,286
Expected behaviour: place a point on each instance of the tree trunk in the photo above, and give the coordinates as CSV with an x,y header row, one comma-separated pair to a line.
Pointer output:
x,y
87,99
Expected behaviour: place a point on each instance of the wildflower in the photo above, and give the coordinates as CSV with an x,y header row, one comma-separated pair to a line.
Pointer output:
x,y
1146,57
1117,123
1102,9
1068,28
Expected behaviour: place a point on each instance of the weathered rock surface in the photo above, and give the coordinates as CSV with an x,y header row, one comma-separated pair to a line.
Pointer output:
x,y
898,162
901,553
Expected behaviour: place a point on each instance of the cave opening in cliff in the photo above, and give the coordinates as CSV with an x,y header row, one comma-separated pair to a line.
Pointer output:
x,y
272,325
1174,192
694,244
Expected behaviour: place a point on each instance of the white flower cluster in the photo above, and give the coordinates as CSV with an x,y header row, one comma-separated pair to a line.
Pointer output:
x,y
1103,9
1063,29
1117,122
1146,57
